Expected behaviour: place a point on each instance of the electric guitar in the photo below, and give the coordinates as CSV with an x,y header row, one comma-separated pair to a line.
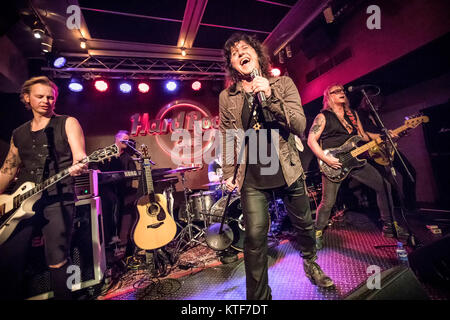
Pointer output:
x,y
348,152
155,227
18,206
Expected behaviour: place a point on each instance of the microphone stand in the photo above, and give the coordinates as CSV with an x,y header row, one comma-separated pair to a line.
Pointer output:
x,y
388,138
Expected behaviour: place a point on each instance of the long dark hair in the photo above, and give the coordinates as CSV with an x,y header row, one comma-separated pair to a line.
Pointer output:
x,y
263,57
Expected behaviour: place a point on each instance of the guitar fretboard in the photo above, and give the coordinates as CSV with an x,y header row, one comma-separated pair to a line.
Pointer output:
x,y
356,152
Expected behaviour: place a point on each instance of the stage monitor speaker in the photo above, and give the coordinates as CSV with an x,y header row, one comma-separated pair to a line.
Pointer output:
x,y
87,252
398,283
431,263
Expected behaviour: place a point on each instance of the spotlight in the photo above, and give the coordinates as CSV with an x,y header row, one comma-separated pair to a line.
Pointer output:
x,y
75,85
101,85
46,43
125,87
171,85
59,62
183,52
275,72
143,87
197,85
83,44
38,33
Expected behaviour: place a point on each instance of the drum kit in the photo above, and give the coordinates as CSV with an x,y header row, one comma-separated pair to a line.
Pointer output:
x,y
203,210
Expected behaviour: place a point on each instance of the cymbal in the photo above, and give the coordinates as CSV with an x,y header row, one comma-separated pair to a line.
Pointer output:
x,y
182,169
168,179
213,184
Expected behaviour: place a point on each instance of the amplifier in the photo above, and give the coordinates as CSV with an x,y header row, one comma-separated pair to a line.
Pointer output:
x,y
86,185
87,252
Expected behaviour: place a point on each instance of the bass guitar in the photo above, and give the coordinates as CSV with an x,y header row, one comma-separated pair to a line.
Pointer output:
x,y
18,206
383,152
348,152
155,227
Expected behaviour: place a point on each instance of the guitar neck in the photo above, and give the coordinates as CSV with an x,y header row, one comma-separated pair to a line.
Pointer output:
x,y
47,183
148,177
356,152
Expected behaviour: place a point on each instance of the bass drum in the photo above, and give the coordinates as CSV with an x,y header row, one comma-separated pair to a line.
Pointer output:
x,y
235,219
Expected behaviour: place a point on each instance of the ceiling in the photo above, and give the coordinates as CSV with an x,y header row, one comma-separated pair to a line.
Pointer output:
x,y
136,38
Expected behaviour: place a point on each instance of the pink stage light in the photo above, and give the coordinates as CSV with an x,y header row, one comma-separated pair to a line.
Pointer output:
x,y
101,85
197,85
143,87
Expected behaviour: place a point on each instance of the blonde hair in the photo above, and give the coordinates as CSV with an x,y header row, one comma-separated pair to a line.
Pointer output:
x,y
328,102
26,87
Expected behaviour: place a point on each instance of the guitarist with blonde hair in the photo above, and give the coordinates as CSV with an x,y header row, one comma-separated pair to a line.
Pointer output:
x,y
40,148
332,127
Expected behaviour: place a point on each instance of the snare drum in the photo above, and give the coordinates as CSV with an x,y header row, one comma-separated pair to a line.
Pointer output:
x,y
201,204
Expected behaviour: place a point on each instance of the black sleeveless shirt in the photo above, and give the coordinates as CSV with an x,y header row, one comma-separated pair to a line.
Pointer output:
x,y
44,153
335,134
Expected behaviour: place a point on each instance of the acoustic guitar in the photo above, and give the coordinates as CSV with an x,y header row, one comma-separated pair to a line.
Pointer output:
x,y
155,227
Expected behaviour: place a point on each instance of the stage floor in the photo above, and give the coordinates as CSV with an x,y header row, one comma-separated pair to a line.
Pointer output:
x,y
349,249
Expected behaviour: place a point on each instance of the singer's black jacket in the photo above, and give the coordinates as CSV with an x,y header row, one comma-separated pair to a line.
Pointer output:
x,y
286,107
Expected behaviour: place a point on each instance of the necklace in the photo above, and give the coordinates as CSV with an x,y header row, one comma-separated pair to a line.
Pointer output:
x,y
250,100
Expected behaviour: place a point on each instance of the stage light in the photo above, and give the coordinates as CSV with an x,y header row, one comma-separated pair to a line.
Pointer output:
x,y
46,43
183,52
75,85
143,87
125,87
171,85
38,33
275,72
83,44
101,85
59,62
197,85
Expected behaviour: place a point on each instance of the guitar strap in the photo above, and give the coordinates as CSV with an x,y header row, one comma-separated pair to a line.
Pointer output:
x,y
350,114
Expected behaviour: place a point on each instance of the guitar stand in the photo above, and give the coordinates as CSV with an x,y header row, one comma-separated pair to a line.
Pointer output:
x,y
411,238
187,231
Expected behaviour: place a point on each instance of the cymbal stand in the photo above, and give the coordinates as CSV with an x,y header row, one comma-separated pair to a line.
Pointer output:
x,y
188,229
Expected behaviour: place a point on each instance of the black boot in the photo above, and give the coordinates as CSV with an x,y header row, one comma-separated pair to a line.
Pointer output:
x,y
388,230
315,274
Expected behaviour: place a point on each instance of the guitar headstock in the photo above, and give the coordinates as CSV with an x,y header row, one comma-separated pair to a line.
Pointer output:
x,y
144,151
103,154
415,120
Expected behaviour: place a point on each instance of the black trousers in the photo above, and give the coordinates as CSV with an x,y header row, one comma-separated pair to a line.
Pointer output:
x,y
255,207
366,175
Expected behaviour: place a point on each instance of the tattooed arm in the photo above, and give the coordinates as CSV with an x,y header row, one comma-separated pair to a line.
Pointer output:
x,y
10,167
313,138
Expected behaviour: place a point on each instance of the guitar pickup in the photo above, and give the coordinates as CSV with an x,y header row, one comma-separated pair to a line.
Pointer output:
x,y
155,225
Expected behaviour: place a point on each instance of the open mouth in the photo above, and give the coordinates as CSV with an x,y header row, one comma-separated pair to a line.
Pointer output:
x,y
245,61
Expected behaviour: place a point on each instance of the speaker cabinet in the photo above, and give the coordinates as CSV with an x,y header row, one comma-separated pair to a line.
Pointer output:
x,y
398,283
431,263
87,252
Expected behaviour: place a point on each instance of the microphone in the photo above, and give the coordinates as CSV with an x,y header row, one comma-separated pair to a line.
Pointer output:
x,y
361,87
261,96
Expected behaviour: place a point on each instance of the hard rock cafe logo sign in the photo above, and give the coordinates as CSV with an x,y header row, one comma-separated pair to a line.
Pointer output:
x,y
183,129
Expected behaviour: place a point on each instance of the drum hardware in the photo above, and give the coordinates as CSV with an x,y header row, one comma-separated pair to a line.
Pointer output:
x,y
191,232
